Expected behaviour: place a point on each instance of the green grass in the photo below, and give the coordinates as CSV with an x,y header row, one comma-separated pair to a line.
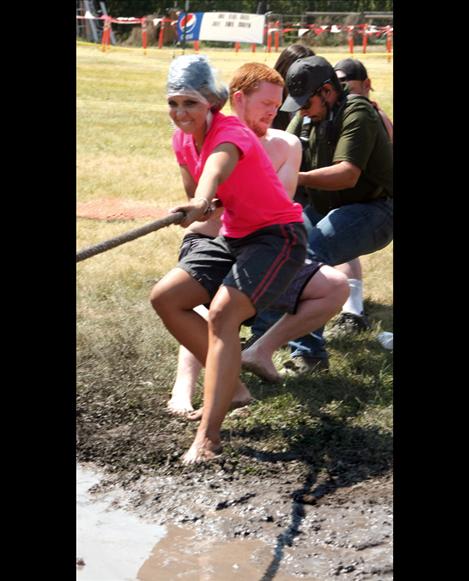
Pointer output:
x,y
340,421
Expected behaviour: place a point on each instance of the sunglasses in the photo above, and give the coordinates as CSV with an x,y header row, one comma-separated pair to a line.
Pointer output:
x,y
317,91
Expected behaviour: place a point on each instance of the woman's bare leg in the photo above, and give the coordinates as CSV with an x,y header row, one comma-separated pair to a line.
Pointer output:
x,y
228,310
320,300
174,298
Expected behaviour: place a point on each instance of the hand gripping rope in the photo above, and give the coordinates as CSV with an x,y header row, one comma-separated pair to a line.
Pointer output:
x,y
128,236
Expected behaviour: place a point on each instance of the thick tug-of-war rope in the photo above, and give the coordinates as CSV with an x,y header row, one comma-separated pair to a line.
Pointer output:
x,y
128,236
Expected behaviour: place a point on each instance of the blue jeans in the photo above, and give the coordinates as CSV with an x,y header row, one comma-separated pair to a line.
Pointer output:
x,y
349,231
342,235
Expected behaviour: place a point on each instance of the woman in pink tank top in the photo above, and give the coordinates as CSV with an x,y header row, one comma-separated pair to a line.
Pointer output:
x,y
248,266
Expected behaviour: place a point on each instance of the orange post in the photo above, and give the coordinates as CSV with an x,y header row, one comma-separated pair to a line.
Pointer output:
x,y
389,44
108,35
105,38
365,39
237,45
253,47
277,35
269,40
161,34
196,45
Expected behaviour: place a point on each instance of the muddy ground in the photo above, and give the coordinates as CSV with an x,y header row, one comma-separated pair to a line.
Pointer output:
x,y
317,532
317,525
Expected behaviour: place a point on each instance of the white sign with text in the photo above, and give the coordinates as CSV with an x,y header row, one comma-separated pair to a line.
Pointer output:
x,y
232,27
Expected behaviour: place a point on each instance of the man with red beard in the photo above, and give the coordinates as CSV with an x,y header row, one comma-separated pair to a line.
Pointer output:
x,y
256,93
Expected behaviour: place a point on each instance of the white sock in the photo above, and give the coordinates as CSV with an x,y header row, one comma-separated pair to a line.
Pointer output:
x,y
354,303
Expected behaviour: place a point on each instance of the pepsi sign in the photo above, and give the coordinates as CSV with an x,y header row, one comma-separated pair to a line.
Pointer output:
x,y
191,21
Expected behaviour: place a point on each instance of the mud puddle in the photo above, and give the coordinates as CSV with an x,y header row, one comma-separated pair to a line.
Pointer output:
x,y
115,544
186,528
111,543
183,555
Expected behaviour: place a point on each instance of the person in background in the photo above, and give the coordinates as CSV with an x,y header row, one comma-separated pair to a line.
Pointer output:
x,y
354,73
288,56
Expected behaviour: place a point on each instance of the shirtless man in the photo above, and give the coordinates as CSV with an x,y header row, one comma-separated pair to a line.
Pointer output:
x,y
255,102
253,98
256,105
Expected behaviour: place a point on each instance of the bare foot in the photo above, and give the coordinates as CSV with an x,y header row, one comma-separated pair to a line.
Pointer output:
x,y
261,366
181,397
241,397
202,452
179,406
196,415
242,393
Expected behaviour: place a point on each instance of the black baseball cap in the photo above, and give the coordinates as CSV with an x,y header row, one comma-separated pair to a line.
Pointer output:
x,y
351,69
304,77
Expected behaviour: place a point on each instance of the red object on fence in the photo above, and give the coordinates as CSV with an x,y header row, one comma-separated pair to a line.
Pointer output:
x,y
389,44
144,35
106,36
365,39
277,35
253,47
237,45
161,35
350,41
196,45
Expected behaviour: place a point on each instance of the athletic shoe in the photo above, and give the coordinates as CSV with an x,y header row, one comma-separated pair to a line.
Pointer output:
x,y
348,323
297,366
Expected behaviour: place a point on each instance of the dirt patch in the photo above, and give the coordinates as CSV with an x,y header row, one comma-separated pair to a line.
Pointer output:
x,y
319,516
118,209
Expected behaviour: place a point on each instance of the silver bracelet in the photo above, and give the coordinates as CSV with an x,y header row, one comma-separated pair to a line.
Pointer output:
x,y
207,202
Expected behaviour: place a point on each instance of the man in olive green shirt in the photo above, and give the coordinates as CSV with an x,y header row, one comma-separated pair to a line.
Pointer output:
x,y
345,184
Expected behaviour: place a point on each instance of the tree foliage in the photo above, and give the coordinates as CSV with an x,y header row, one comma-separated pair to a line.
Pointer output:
x,y
141,7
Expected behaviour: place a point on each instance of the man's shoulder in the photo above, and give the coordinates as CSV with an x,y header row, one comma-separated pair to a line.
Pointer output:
x,y
280,136
359,108
358,103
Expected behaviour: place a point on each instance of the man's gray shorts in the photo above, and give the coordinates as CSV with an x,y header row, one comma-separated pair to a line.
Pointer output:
x,y
290,298
260,265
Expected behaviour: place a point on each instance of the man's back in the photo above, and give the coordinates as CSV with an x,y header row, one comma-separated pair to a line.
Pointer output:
x,y
277,144
284,151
